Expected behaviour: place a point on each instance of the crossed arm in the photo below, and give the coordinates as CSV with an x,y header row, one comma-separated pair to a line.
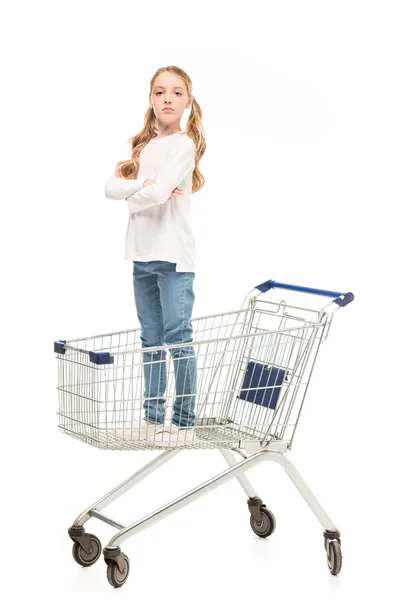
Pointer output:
x,y
179,163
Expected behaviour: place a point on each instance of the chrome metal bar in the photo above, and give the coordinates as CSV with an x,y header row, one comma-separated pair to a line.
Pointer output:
x,y
101,517
242,479
218,480
185,499
126,485
304,491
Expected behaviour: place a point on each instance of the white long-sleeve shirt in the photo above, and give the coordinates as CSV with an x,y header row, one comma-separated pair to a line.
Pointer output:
x,y
158,228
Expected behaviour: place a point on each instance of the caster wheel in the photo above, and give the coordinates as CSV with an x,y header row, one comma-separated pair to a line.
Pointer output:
x,y
334,556
86,559
114,575
267,525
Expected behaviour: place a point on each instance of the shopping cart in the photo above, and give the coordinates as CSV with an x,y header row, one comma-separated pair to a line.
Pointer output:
x,y
253,369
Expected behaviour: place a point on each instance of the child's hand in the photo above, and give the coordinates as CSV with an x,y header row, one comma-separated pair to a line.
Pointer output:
x,y
178,191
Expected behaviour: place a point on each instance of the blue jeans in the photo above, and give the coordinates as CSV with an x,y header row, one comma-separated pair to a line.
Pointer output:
x,y
164,302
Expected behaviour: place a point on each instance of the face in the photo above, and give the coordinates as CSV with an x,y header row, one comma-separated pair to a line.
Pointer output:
x,y
169,91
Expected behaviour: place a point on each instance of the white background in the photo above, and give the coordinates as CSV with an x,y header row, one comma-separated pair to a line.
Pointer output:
x,y
300,106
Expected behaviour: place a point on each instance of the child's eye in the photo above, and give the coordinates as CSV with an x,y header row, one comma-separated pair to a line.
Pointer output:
x,y
180,93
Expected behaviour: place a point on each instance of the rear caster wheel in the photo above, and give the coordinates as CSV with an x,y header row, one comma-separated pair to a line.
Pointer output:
x,y
267,525
334,556
115,577
87,557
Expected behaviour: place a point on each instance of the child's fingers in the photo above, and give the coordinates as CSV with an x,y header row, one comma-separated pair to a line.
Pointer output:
x,y
178,191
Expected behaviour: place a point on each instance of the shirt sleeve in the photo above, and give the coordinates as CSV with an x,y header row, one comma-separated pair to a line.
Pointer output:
x,y
178,164
117,188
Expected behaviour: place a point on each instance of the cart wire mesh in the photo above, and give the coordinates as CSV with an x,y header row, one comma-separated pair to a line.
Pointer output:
x,y
252,365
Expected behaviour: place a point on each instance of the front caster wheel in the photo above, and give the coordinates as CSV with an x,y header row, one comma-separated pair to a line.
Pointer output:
x,y
334,556
115,577
267,525
87,557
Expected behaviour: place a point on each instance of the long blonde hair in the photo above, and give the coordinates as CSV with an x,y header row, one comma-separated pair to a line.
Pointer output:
x,y
128,169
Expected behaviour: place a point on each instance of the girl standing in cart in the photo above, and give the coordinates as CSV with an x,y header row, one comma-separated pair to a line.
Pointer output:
x,y
157,183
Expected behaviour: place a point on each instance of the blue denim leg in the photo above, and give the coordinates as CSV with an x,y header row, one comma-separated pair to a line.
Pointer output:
x,y
177,299
149,311
164,301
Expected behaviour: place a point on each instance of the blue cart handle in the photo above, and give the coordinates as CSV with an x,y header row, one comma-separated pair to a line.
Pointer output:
x,y
340,298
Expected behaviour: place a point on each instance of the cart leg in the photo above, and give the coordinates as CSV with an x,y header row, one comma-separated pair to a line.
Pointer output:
x,y
112,552
332,540
242,479
234,471
305,492
87,547
185,499
254,503
123,487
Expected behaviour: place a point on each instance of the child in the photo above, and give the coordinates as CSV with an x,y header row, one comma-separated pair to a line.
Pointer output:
x,y
157,183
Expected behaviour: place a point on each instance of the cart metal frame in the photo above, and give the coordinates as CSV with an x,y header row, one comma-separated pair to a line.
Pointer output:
x,y
253,445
